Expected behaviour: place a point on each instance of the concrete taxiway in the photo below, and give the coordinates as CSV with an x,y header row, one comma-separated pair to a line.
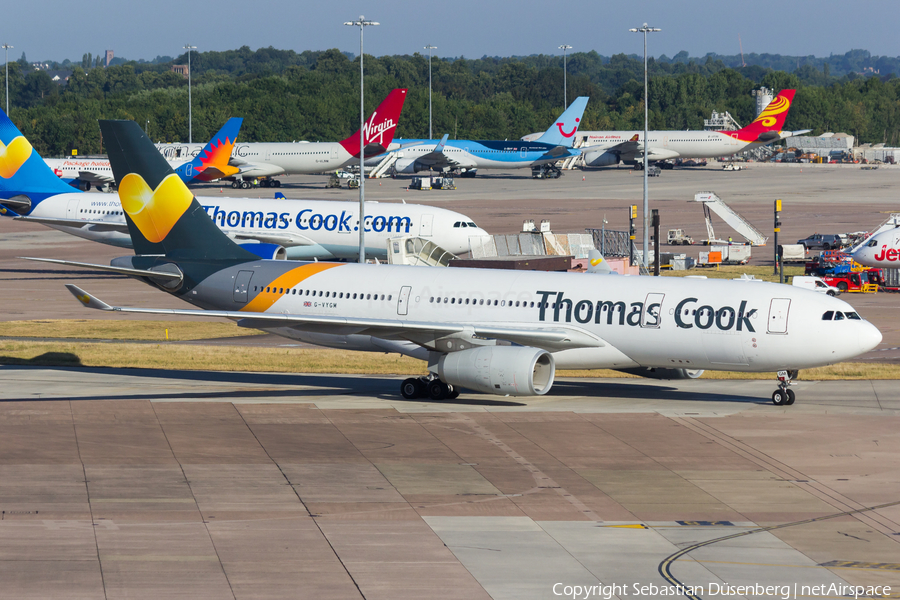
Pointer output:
x,y
149,484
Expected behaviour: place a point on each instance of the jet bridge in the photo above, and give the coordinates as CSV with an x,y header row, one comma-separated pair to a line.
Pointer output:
x,y
713,204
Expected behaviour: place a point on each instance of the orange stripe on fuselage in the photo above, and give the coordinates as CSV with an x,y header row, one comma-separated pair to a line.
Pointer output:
x,y
264,300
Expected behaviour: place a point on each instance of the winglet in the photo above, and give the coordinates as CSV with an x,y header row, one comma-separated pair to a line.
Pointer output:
x,y
596,263
440,145
88,300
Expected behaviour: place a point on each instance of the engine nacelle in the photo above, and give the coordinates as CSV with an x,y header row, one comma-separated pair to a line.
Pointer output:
x,y
503,370
78,184
664,373
601,159
265,251
408,165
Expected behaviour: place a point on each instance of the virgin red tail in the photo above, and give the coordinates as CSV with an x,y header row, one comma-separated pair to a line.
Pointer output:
x,y
378,130
770,119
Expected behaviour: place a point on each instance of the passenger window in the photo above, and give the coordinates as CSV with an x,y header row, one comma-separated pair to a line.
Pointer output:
x,y
828,315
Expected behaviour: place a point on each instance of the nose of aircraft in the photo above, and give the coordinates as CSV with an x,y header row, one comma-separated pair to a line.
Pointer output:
x,y
869,337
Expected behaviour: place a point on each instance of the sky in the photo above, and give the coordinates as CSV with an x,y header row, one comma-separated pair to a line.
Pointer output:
x,y
460,28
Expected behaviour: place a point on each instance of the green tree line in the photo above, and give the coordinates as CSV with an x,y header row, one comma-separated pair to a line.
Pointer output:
x,y
284,95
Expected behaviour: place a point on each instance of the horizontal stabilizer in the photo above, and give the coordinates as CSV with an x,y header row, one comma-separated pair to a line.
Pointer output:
x,y
167,275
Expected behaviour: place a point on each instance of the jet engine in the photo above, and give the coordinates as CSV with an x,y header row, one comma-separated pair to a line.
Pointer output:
x,y
265,251
408,165
503,370
601,159
78,184
664,373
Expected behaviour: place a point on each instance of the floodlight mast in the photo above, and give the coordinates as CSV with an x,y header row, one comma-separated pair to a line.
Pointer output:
x,y
646,258
565,48
362,23
429,48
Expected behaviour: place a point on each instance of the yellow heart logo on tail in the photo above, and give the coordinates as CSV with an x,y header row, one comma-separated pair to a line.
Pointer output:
x,y
12,157
154,212
84,299
596,261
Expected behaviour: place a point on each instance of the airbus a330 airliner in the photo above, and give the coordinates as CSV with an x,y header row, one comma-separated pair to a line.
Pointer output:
x,y
301,229
268,159
497,332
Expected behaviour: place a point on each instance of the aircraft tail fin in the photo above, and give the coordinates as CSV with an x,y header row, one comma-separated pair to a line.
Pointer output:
x,y
562,132
23,172
597,264
378,131
162,214
212,162
766,127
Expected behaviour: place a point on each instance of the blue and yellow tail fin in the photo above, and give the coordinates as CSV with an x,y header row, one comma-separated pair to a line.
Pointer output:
x,y
212,162
23,173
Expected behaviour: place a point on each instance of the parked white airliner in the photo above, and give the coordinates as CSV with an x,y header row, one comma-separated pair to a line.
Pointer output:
x,y
498,332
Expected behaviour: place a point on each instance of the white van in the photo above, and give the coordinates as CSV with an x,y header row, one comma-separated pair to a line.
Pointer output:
x,y
816,284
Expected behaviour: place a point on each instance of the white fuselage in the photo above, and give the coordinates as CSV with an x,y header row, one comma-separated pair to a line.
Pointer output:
x,y
881,251
266,159
306,228
72,168
640,321
663,145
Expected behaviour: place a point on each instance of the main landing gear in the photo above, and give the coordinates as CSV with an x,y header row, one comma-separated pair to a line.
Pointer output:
x,y
784,395
427,387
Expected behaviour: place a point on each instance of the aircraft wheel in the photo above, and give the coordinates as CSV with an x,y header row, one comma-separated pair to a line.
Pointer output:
x,y
411,388
277,183
438,390
790,397
235,185
245,185
265,183
454,393
778,397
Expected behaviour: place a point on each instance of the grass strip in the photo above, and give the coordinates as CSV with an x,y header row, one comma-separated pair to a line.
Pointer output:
x,y
314,360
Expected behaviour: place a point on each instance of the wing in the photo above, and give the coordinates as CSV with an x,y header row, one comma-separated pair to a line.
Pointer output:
x,y
96,178
424,333
285,239
249,169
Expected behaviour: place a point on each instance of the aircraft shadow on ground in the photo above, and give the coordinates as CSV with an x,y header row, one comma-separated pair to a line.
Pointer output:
x,y
324,385
646,391
382,388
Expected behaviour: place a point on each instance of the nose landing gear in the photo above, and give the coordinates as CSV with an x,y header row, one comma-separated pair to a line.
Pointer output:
x,y
784,396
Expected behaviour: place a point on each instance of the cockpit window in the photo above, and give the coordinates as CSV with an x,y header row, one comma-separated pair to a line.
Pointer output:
x,y
838,316
853,315
471,224
872,244
828,315
457,224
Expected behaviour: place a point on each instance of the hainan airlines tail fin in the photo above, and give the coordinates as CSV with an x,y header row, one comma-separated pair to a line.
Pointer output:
x,y
562,132
768,125
378,131
162,214
23,173
597,264
212,162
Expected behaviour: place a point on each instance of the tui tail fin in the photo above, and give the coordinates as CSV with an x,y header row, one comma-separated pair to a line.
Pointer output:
x,y
162,214
562,132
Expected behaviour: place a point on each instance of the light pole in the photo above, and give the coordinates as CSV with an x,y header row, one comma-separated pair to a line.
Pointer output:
x,y
188,47
645,30
7,47
429,48
565,48
362,24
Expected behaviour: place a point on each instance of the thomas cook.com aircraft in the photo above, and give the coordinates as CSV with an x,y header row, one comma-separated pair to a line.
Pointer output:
x,y
497,332
269,228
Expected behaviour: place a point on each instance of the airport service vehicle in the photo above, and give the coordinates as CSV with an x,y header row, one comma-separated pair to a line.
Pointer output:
x,y
496,332
267,160
792,253
555,144
855,281
820,241
733,167
678,236
815,284
306,229
208,165
607,148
